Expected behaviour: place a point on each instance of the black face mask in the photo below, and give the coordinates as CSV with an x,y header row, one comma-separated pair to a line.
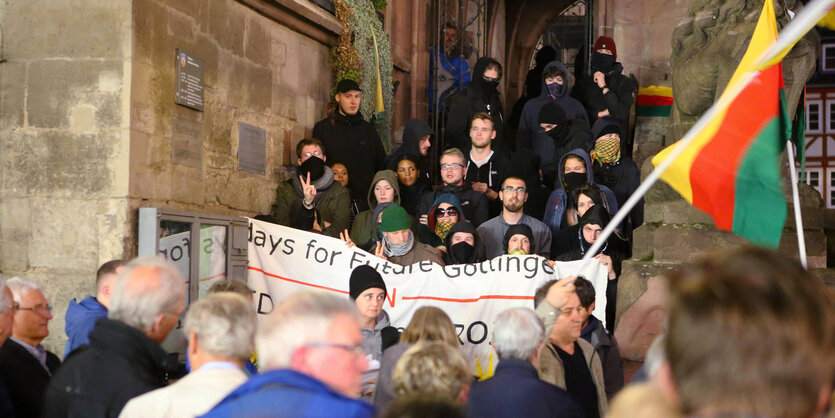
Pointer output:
x,y
313,165
492,84
602,62
575,180
462,252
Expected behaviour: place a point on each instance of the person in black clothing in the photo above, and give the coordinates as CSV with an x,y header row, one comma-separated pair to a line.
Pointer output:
x,y
351,139
603,341
417,140
582,199
559,135
592,224
481,95
486,169
463,245
473,203
124,358
617,171
606,93
556,87
413,183
533,83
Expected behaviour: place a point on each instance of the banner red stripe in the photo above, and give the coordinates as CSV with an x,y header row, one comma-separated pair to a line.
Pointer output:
x,y
297,281
506,297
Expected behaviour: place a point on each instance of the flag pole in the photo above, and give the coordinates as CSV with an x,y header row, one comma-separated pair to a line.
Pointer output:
x,y
796,29
798,220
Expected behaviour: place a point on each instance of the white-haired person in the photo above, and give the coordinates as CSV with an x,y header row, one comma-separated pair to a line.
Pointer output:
x,y
25,364
221,337
124,358
515,389
311,359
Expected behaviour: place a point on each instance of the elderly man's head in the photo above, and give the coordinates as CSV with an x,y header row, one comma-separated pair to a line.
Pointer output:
x,y
220,327
33,313
149,296
317,334
518,334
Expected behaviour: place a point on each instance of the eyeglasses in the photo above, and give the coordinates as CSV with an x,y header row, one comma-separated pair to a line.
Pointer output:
x,y
453,166
509,189
353,349
448,211
491,79
314,153
36,309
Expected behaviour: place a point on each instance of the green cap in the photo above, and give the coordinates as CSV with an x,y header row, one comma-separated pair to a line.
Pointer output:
x,y
395,218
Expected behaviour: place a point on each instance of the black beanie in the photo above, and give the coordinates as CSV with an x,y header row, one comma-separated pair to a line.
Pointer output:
x,y
552,113
517,229
609,129
365,277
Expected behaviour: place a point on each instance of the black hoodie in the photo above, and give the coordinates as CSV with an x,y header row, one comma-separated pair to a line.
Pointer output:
x,y
413,132
618,99
529,124
476,97
452,257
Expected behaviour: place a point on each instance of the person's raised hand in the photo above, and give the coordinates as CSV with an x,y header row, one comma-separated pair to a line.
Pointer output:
x,y
558,293
380,250
345,236
607,262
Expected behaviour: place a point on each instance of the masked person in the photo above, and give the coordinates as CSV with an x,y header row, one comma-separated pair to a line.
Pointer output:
x,y
313,188
481,95
556,86
518,240
582,200
399,245
463,245
558,135
572,173
606,93
445,213
617,171
533,83
384,191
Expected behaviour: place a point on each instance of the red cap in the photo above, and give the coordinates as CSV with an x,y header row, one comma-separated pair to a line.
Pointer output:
x,y
605,42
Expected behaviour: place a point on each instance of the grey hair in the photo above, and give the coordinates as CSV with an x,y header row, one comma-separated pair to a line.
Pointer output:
x,y
225,325
5,302
517,333
301,319
139,298
21,286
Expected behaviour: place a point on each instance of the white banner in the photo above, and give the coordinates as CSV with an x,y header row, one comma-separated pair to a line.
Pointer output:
x,y
283,260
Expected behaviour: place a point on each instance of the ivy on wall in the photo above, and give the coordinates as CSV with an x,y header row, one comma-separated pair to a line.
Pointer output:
x,y
354,57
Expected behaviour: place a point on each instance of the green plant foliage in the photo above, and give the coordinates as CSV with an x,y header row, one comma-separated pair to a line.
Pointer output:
x,y
379,4
362,20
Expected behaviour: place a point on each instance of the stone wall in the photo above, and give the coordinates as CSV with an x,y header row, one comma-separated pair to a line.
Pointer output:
x,y
64,99
256,72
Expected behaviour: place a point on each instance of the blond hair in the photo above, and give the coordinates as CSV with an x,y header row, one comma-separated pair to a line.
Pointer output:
x,y
432,368
430,324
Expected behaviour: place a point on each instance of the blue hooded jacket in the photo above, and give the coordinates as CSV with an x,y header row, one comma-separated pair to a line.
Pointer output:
x,y
558,199
80,320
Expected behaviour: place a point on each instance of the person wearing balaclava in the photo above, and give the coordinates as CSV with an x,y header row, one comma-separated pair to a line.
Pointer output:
x,y
606,92
313,187
463,245
368,290
556,86
384,191
559,135
481,95
533,82
399,245
617,171
573,171
518,240
592,224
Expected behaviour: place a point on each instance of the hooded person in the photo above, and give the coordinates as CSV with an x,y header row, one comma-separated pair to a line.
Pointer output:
x,y
518,240
582,199
463,245
417,140
331,200
480,95
556,86
368,290
413,183
606,92
384,190
533,83
615,170
399,243
591,225
559,135
572,173
446,211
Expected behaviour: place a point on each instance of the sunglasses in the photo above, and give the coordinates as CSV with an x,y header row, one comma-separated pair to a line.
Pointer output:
x,y
448,211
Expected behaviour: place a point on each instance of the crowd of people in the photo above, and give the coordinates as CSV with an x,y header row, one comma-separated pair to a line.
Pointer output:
x,y
750,333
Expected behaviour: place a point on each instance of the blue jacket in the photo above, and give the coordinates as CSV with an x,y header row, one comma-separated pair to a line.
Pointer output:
x,y
288,393
515,390
80,321
558,200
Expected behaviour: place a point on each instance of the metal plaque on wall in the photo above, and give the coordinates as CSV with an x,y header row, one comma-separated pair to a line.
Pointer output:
x,y
252,149
189,73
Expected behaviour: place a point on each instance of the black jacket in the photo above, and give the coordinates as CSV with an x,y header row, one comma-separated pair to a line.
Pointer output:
x,y
413,132
554,144
475,205
529,123
354,142
25,378
607,349
121,363
475,97
618,99
623,177
493,172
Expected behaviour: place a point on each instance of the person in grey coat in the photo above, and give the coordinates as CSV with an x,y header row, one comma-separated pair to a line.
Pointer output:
x,y
513,195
